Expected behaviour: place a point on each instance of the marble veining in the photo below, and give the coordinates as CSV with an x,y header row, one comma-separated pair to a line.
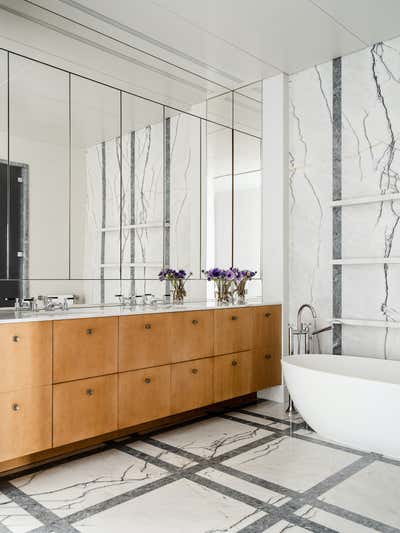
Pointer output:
x,y
344,131
216,475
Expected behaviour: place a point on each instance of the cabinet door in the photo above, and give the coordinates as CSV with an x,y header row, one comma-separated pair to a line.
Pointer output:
x,y
84,409
144,395
84,348
192,335
143,341
25,355
233,330
232,375
268,346
191,385
25,421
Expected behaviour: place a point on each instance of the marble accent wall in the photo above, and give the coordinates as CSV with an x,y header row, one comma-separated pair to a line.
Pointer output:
x,y
344,147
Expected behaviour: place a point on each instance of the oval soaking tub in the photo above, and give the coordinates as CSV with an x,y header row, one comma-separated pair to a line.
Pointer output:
x,y
354,401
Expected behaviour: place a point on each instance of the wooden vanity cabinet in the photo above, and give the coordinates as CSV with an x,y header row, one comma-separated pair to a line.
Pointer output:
x,y
144,395
191,335
115,373
267,368
25,421
84,409
84,348
144,341
26,355
192,385
233,375
233,330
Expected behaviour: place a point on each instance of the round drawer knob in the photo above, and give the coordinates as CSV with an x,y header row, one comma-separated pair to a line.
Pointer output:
x,y
147,380
195,322
16,338
235,317
90,392
89,331
147,326
267,315
234,363
195,370
16,407
268,356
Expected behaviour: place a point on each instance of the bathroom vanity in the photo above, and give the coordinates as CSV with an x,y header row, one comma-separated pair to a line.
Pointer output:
x,y
89,374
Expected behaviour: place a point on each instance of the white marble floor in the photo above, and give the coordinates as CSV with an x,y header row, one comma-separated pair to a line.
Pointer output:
x,y
252,470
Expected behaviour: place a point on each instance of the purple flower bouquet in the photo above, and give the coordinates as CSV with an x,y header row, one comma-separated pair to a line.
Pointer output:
x,y
223,280
178,279
241,279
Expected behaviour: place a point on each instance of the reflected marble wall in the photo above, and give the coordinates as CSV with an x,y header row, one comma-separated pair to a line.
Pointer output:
x,y
344,144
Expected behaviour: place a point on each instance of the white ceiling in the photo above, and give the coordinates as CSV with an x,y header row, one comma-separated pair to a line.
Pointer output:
x,y
206,46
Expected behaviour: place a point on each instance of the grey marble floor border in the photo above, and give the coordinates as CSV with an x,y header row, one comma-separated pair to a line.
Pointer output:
x,y
274,514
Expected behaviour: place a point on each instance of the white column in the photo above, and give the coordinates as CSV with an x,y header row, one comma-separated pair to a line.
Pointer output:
x,y
275,204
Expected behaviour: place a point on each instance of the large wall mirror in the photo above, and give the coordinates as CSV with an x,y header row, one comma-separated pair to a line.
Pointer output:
x,y
101,189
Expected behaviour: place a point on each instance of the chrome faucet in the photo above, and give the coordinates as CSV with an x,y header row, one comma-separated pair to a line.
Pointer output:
x,y
306,334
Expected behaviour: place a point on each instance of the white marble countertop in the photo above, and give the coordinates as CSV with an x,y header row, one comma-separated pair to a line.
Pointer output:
x,y
8,315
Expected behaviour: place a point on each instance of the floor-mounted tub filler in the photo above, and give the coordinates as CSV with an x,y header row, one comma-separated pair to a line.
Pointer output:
x,y
354,401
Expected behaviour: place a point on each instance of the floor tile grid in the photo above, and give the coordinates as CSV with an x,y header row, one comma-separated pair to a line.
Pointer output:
x,y
298,499
65,524
275,514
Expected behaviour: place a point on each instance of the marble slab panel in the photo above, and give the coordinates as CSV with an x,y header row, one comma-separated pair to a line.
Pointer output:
x,y
292,463
181,506
212,437
76,485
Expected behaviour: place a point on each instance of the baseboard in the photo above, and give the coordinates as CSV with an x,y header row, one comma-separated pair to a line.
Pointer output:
x,y
275,394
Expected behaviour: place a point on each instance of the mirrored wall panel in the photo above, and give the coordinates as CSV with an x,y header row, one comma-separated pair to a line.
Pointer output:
x,y
247,203
3,177
38,171
101,189
142,190
183,179
95,182
219,196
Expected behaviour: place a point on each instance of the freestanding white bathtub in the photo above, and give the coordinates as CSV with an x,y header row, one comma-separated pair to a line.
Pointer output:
x,y
354,401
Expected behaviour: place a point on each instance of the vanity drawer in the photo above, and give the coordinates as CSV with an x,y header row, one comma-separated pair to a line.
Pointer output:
x,y
233,330
84,348
84,409
192,335
25,359
144,395
232,375
191,385
268,344
143,341
25,421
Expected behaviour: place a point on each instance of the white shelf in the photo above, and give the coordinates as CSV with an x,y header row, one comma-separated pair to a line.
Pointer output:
x,y
366,323
368,261
366,200
142,265
136,226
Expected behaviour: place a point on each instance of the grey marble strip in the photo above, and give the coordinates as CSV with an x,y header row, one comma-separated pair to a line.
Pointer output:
x,y
337,195
157,461
103,218
133,209
117,500
51,521
375,525
296,425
